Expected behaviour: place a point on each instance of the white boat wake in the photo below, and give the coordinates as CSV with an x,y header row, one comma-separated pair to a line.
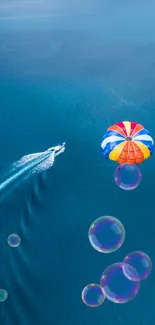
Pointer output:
x,y
31,164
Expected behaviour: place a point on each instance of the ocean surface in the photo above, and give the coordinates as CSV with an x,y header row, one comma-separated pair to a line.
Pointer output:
x,y
69,70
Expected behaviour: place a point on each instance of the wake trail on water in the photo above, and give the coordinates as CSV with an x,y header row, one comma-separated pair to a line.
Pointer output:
x,y
26,166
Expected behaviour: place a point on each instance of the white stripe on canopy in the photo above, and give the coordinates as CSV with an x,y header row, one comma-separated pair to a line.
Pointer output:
x,y
144,137
111,139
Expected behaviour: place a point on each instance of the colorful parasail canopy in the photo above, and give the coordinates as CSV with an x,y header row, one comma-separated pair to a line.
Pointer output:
x,y
127,142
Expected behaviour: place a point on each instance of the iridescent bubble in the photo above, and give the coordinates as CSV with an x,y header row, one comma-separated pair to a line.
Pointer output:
x,y
106,234
127,177
14,240
3,295
93,295
116,286
130,273
141,263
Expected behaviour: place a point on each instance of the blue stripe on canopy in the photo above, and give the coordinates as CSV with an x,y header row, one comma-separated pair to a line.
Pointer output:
x,y
110,146
144,131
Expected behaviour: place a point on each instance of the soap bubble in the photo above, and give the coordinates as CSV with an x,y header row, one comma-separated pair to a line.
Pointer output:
x,y
14,240
106,234
3,295
93,295
141,263
116,285
127,177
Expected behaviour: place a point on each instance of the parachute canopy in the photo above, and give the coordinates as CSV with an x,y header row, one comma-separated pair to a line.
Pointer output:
x,y
127,142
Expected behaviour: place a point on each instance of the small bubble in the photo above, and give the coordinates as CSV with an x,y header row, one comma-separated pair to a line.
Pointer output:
x,y
106,234
3,295
93,295
14,240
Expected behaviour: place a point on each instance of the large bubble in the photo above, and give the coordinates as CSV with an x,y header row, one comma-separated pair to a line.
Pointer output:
x,y
127,177
14,240
3,295
116,286
141,263
93,295
106,234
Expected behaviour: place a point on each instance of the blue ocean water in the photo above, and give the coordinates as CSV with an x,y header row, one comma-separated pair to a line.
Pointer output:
x,y
67,72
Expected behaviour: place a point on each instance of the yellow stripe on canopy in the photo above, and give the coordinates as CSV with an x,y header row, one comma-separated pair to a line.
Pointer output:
x,y
115,153
128,127
144,149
